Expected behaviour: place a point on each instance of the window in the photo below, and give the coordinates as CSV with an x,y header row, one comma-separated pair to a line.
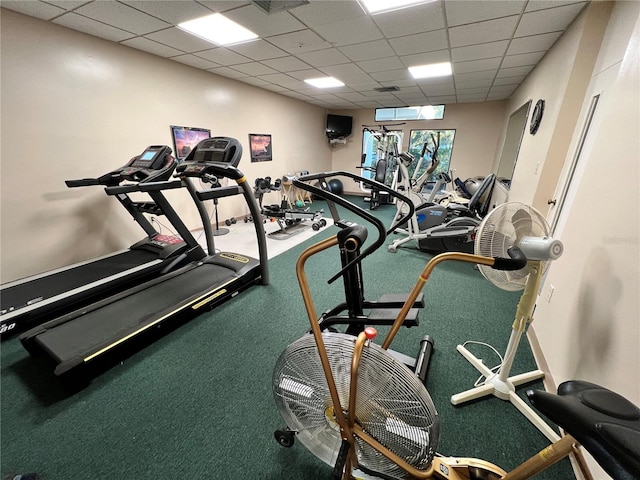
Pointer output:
x,y
424,112
424,145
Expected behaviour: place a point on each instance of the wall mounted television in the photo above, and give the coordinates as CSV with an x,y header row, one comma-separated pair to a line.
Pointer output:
x,y
185,138
338,126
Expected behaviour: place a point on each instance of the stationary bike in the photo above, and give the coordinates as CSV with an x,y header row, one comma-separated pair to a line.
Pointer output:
x,y
362,411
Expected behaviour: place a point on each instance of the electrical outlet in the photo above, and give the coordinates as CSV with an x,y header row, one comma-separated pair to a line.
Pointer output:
x,y
550,293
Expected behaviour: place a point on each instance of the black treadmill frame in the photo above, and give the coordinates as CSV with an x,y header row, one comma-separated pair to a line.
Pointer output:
x,y
77,370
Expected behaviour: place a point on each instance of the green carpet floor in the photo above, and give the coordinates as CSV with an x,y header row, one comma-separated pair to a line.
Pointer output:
x,y
197,403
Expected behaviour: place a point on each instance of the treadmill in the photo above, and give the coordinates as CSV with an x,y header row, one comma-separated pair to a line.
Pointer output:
x,y
35,299
86,342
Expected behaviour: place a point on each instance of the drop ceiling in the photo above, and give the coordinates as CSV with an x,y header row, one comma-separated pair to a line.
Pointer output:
x,y
493,45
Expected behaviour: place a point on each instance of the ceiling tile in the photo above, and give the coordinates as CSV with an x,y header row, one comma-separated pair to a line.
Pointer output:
x,y
368,51
392,75
533,5
174,12
254,68
263,24
321,58
482,32
273,88
306,74
339,39
258,82
92,27
420,42
286,64
462,12
439,90
222,5
483,50
65,4
407,21
150,46
477,65
181,40
461,85
533,43
549,20
426,58
346,71
509,80
227,72
121,16
498,96
320,13
514,71
381,64
223,56
503,88
40,10
442,99
299,42
475,76
347,32
194,61
258,50
522,59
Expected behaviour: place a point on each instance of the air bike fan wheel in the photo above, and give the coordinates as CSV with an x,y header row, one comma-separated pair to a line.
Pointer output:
x,y
508,225
392,404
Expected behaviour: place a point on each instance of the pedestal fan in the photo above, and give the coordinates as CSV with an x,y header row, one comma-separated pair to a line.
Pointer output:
x,y
513,224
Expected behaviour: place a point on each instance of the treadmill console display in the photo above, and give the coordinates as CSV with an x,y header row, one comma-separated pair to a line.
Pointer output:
x,y
153,157
220,150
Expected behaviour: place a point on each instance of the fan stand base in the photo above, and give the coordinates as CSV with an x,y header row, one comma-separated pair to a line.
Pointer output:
x,y
504,390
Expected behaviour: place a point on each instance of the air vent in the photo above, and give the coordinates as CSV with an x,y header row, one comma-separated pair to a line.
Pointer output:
x,y
387,89
272,6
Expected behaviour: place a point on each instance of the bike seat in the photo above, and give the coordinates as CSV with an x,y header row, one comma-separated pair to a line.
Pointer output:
x,y
606,424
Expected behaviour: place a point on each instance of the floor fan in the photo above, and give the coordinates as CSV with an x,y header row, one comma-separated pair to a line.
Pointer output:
x,y
513,224
392,405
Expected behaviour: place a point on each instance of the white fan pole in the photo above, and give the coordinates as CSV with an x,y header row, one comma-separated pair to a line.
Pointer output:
x,y
500,384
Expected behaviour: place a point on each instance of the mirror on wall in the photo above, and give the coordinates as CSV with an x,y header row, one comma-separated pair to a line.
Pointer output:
x,y
511,146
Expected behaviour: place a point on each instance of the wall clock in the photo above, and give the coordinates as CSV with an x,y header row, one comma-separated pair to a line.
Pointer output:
x,y
536,117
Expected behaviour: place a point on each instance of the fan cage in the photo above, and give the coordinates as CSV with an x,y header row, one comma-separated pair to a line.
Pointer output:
x,y
393,406
502,229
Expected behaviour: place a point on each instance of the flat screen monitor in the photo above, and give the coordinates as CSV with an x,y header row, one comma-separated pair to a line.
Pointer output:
x,y
338,126
185,138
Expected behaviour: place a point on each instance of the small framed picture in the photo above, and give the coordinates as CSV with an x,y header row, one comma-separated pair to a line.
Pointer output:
x,y
260,145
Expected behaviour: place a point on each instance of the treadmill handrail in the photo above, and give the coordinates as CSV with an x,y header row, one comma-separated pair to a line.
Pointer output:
x,y
143,187
219,192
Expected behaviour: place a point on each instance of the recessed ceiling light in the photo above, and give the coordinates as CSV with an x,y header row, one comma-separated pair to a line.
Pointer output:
x,y
325,82
379,6
218,29
432,70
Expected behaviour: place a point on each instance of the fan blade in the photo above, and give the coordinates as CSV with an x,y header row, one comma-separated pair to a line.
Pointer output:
x,y
522,223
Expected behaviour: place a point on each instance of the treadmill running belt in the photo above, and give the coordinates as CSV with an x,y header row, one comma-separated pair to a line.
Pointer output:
x,y
95,330
69,279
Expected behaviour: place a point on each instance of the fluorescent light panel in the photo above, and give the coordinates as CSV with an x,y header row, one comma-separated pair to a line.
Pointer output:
x,y
218,29
324,82
431,70
379,6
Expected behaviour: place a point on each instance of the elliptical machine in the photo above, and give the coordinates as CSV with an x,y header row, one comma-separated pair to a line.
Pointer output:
x,y
438,228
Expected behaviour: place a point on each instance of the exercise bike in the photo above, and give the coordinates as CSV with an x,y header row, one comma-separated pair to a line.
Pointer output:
x,y
435,227
359,409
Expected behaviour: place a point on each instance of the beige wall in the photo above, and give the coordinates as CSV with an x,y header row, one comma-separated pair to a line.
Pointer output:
x,y
76,106
590,329
560,79
478,135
